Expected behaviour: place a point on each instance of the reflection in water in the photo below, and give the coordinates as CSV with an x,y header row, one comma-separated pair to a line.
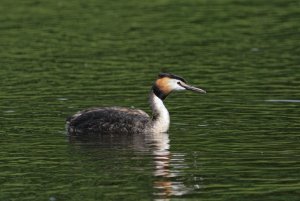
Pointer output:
x,y
283,101
168,166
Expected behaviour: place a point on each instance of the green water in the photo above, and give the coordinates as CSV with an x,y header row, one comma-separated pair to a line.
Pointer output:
x,y
240,141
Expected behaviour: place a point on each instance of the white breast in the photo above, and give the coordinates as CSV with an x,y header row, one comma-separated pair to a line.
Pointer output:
x,y
162,121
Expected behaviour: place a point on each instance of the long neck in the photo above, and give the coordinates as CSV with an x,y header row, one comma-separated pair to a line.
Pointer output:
x,y
160,114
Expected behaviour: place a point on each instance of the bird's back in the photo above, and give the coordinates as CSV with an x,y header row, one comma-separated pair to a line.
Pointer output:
x,y
108,120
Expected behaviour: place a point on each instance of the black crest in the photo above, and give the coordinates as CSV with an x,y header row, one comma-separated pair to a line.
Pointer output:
x,y
160,94
172,76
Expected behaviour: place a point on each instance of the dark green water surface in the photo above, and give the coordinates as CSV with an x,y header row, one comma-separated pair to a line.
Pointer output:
x,y
240,141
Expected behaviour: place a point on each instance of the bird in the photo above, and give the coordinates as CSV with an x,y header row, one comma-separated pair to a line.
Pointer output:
x,y
121,120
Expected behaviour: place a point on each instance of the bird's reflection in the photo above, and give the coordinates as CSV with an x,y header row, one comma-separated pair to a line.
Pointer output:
x,y
168,166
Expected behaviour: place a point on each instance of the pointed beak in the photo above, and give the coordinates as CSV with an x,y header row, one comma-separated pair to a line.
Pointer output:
x,y
191,88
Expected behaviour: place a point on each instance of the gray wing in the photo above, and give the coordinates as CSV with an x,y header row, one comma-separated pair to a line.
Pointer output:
x,y
108,120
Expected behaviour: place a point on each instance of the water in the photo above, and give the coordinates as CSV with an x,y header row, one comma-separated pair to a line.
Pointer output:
x,y
240,141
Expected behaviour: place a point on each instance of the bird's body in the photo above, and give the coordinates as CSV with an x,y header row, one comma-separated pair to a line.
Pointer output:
x,y
120,120
108,120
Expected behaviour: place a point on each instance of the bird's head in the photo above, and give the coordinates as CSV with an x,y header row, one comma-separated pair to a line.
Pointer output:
x,y
167,82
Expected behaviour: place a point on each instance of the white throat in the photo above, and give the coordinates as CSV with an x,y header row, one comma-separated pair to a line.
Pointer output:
x,y
161,117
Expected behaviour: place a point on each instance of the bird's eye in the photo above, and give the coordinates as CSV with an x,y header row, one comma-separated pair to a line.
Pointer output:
x,y
178,82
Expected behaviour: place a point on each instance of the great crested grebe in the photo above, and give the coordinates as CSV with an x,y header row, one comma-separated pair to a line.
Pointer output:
x,y
115,120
